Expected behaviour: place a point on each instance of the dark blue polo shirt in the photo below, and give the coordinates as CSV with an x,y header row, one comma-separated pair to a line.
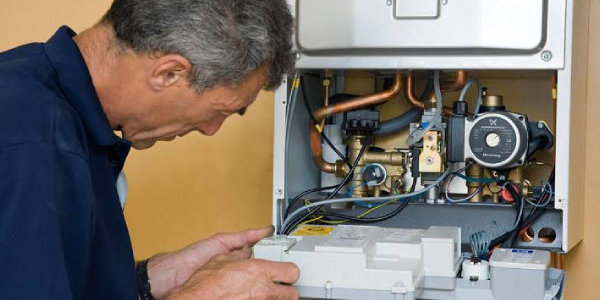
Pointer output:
x,y
62,230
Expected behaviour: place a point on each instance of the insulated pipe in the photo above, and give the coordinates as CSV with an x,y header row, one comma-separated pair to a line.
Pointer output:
x,y
409,90
399,123
356,103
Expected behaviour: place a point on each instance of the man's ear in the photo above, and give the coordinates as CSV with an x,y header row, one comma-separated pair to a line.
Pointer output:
x,y
168,70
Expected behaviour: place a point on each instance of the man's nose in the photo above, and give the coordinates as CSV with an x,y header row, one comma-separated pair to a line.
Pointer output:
x,y
211,127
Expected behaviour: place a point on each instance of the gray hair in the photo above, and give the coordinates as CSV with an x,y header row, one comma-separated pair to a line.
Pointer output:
x,y
224,40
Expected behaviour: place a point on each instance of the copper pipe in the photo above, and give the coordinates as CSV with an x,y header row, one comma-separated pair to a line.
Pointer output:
x,y
317,151
409,93
356,103
457,84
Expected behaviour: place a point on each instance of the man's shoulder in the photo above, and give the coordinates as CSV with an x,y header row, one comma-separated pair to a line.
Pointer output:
x,y
32,107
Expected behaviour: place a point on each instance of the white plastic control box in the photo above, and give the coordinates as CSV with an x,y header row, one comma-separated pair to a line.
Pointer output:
x,y
519,274
367,258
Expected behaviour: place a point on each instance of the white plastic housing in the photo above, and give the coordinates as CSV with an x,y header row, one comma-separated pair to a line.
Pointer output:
x,y
369,258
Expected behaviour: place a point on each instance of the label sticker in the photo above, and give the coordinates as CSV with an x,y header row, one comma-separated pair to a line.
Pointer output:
x,y
520,256
313,230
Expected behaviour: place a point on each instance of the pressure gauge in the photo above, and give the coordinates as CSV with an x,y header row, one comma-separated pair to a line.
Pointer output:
x,y
374,174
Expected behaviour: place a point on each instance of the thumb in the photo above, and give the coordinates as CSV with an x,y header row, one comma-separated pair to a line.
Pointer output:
x,y
245,238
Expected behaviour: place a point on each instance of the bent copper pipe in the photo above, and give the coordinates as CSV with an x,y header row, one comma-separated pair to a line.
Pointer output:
x,y
356,103
456,85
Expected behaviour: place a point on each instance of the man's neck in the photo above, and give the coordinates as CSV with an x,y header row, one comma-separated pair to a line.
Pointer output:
x,y
100,52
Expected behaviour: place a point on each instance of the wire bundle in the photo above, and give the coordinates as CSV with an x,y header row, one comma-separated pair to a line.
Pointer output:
x,y
480,242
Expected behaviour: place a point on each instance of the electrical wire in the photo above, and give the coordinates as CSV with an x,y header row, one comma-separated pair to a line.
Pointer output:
x,y
463,93
360,218
298,83
370,210
369,199
480,243
412,139
519,204
288,227
533,216
305,193
290,108
547,200
315,123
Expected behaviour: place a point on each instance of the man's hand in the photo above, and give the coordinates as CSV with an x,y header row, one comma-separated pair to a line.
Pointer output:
x,y
171,270
235,276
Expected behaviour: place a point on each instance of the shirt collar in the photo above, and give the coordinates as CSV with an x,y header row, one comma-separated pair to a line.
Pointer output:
x,y
76,84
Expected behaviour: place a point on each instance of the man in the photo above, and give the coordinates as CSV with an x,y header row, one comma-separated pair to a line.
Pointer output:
x,y
153,70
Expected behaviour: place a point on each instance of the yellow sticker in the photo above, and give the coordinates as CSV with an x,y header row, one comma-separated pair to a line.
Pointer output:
x,y
313,230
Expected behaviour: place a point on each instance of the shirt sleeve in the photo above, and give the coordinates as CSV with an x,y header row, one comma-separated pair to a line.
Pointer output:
x,y
46,217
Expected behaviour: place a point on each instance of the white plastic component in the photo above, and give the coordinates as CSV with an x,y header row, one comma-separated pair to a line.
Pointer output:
x,y
368,258
274,247
479,270
520,259
518,274
417,8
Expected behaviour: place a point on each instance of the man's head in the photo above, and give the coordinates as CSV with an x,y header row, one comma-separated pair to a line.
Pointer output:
x,y
178,66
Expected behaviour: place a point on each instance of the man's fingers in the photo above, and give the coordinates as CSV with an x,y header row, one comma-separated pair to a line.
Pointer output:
x,y
283,272
286,292
236,255
243,239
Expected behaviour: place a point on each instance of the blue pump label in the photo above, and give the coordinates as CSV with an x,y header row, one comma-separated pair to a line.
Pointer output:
x,y
521,251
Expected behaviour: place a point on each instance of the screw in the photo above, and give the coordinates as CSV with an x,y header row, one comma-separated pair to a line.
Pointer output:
x,y
429,160
444,2
389,2
298,55
546,56
540,125
279,192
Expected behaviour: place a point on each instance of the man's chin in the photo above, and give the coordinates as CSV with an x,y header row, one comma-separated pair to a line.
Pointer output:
x,y
142,145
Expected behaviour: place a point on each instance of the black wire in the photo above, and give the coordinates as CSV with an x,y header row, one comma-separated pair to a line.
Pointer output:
x,y
366,220
387,216
350,174
533,216
314,120
512,237
390,215
288,209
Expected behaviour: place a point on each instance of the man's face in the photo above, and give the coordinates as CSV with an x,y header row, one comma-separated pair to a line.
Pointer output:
x,y
178,110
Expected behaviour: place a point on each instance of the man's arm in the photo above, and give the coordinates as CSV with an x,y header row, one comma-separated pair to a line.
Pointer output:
x,y
45,222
